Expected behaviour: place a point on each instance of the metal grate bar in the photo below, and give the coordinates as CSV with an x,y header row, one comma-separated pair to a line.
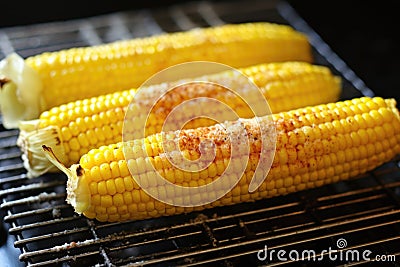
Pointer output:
x,y
138,29
89,34
64,259
150,23
10,133
153,241
388,190
219,218
209,232
43,197
12,179
251,212
329,225
5,44
9,156
358,191
43,29
274,231
27,240
142,260
29,213
180,18
353,201
262,220
218,259
102,251
118,30
359,214
30,187
36,50
282,216
25,227
8,143
208,13
11,167
138,234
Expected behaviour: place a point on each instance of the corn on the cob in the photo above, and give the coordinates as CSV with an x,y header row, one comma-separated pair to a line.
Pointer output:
x,y
75,128
315,146
38,83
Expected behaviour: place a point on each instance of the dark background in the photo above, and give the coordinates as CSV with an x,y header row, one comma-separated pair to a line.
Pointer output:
x,y
362,33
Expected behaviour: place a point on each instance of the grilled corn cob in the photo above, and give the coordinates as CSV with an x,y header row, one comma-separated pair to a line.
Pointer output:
x,y
315,146
75,128
33,85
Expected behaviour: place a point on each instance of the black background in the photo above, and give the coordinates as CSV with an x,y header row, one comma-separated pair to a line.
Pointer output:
x,y
362,33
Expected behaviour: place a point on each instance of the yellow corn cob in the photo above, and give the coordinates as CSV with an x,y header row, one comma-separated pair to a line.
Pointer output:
x,y
75,128
315,146
40,82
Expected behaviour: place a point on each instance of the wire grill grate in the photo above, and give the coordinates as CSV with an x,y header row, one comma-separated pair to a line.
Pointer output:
x,y
364,211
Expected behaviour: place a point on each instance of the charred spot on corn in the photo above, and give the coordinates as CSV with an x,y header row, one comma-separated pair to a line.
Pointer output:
x,y
4,81
79,171
48,149
58,141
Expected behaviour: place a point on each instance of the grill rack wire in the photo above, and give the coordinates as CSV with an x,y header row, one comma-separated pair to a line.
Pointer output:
x,y
364,211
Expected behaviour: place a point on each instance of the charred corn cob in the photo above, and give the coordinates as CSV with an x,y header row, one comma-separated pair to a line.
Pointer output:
x,y
315,146
33,85
75,128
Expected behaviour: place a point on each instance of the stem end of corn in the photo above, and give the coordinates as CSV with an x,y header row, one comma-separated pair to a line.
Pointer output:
x,y
30,141
78,193
21,91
